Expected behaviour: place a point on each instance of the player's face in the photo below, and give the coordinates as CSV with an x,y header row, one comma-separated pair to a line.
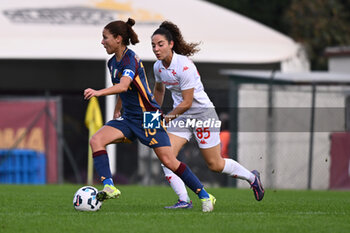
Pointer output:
x,y
110,43
162,48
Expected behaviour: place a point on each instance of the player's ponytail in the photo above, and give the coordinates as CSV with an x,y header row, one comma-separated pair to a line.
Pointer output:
x,y
124,29
172,33
132,35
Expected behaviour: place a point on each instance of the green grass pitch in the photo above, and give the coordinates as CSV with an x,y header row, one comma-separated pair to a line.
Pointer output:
x,y
49,208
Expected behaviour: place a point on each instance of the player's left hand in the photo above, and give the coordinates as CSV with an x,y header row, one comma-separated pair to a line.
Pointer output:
x,y
89,93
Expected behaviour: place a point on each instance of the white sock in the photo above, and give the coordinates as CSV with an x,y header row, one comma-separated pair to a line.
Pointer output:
x,y
236,170
176,184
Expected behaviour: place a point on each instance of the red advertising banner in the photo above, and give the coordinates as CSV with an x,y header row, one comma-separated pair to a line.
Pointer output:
x,y
30,124
340,161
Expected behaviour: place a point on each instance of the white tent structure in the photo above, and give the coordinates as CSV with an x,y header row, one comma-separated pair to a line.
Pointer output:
x,y
71,29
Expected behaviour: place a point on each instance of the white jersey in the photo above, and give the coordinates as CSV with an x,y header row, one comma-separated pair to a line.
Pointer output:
x,y
182,75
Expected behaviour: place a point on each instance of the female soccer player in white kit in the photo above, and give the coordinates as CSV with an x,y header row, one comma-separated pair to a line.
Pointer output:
x,y
192,107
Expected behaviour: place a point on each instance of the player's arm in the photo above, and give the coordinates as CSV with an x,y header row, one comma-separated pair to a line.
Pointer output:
x,y
186,104
121,87
158,92
118,108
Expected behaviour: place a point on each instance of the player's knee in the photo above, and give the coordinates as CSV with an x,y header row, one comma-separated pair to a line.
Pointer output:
x,y
94,141
215,166
169,164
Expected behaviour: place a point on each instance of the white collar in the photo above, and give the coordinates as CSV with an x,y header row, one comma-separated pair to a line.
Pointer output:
x,y
173,63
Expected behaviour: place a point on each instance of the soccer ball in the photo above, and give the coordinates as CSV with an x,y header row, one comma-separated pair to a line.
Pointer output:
x,y
85,199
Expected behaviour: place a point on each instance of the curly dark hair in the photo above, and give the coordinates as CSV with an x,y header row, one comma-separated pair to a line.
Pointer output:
x,y
172,33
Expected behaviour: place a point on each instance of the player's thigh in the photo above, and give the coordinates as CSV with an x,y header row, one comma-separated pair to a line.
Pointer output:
x,y
213,159
176,143
104,136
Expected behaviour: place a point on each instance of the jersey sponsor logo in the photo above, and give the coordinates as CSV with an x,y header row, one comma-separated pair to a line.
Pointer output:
x,y
173,72
170,83
151,120
153,142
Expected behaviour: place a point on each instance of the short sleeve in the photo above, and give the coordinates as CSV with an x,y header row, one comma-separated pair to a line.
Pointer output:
x,y
187,77
157,77
130,66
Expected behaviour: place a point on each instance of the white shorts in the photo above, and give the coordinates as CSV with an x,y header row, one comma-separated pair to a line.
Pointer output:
x,y
204,126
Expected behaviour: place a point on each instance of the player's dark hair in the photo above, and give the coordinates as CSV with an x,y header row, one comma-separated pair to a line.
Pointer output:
x,y
124,29
172,33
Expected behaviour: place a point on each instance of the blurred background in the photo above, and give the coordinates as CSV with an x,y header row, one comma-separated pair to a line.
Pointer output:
x,y
278,73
